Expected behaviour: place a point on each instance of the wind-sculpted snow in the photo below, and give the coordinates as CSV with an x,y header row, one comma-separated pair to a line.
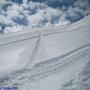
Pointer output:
x,y
43,69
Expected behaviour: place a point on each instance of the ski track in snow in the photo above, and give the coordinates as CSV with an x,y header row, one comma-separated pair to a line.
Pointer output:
x,y
43,69
35,52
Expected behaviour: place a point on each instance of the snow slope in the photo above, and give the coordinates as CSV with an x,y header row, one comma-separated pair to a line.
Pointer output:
x,y
34,60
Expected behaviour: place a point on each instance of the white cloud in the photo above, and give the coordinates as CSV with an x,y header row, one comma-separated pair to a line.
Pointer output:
x,y
38,14
51,12
13,29
25,3
48,24
5,20
62,21
2,2
35,20
14,10
44,17
82,3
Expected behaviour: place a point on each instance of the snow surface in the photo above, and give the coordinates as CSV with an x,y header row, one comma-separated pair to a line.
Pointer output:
x,y
46,59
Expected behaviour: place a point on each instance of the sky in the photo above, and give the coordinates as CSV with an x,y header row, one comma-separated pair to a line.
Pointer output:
x,y
17,15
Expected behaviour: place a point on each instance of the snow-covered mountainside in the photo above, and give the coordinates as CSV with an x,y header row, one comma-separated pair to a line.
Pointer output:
x,y
51,50
47,59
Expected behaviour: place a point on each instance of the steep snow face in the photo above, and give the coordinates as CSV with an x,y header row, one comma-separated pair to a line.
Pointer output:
x,y
27,14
